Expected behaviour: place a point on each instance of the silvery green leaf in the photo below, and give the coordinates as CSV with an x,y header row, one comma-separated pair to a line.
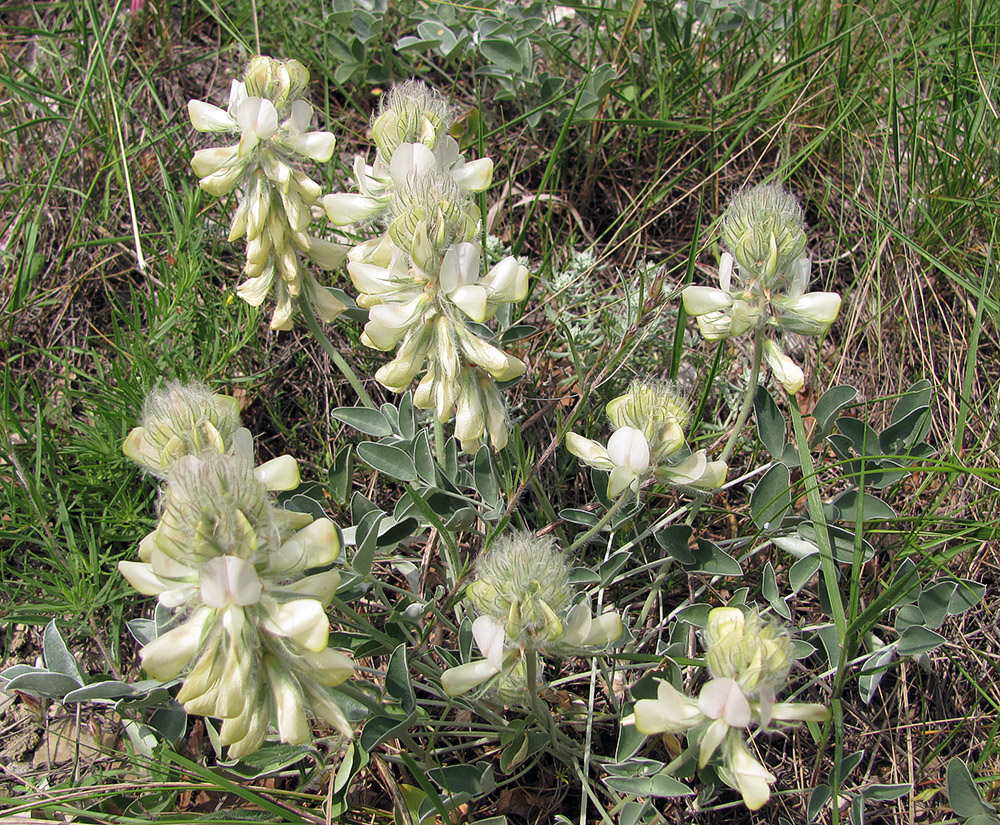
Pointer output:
x,y
269,760
873,670
341,474
43,683
712,559
110,690
388,459
364,419
769,588
397,680
829,406
817,801
847,504
886,793
770,424
802,571
967,595
916,640
963,795
674,539
772,498
934,600
57,656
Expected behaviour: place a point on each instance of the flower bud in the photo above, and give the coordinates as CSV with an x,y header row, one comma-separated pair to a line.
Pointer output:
x,y
657,410
411,112
213,507
755,654
178,420
521,582
785,369
765,230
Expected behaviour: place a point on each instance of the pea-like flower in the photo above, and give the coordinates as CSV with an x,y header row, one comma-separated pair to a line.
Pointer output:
x,y
748,660
190,420
249,582
276,199
763,279
648,441
422,280
523,594
412,115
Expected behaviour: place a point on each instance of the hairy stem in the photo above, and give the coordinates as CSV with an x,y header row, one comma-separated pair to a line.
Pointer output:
x,y
324,341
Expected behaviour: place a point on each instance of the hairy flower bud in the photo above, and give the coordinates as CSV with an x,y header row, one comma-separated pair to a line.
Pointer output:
x,y
657,410
522,581
411,112
765,230
178,420
754,653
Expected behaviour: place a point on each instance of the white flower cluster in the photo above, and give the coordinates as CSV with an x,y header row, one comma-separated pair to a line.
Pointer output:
x,y
648,441
522,591
246,578
748,660
275,198
765,232
422,280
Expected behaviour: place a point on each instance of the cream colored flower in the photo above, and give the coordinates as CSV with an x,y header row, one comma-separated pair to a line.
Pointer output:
x,y
276,199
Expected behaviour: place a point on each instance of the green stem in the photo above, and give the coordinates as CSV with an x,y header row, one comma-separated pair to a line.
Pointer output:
x,y
334,353
541,713
827,563
613,510
439,440
748,394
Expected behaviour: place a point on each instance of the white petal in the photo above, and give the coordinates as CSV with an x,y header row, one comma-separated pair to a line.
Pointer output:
x,y
293,727
317,146
700,300
258,117
714,736
799,712
304,621
459,266
462,679
167,655
326,254
343,208
281,473
604,630
207,162
314,545
723,698
785,369
471,300
229,580
319,586
576,627
332,666
411,160
474,175
753,780
621,479
628,447
726,271
143,579
208,118
490,637
688,471
670,712
507,281
589,452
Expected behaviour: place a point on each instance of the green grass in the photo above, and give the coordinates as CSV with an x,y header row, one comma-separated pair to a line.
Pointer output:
x,y
115,274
